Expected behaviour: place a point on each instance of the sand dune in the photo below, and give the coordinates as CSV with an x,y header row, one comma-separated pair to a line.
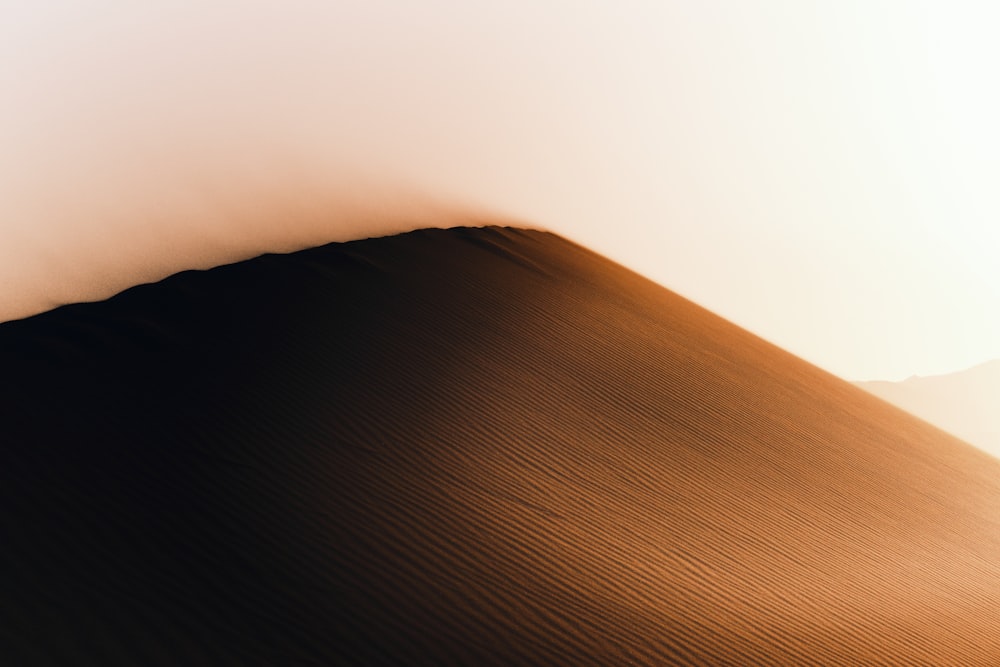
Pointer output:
x,y
964,403
468,447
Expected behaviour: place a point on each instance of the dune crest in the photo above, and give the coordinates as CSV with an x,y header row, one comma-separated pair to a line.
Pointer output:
x,y
469,446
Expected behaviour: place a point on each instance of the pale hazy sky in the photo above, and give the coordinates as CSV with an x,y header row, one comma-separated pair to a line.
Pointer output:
x,y
822,173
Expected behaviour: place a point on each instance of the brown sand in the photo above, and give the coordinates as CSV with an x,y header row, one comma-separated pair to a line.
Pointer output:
x,y
468,447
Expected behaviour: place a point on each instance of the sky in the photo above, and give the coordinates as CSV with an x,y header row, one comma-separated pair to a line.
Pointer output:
x,y
821,173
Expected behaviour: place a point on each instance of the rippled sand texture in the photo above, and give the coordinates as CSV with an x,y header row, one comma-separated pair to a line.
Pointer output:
x,y
475,447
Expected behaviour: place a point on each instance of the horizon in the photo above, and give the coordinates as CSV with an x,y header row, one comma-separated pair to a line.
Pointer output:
x,y
819,175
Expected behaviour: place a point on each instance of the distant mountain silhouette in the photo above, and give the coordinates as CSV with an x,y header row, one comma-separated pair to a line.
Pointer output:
x,y
965,403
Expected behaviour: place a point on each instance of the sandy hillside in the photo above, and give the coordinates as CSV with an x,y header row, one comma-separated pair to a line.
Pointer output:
x,y
468,447
966,403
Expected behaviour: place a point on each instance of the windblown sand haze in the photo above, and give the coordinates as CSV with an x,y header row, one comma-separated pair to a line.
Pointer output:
x,y
473,446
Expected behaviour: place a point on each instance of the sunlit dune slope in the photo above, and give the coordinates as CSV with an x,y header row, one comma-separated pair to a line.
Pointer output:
x,y
966,403
468,446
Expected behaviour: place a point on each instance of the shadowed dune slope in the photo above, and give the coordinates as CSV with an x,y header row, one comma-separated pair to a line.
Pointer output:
x,y
468,447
